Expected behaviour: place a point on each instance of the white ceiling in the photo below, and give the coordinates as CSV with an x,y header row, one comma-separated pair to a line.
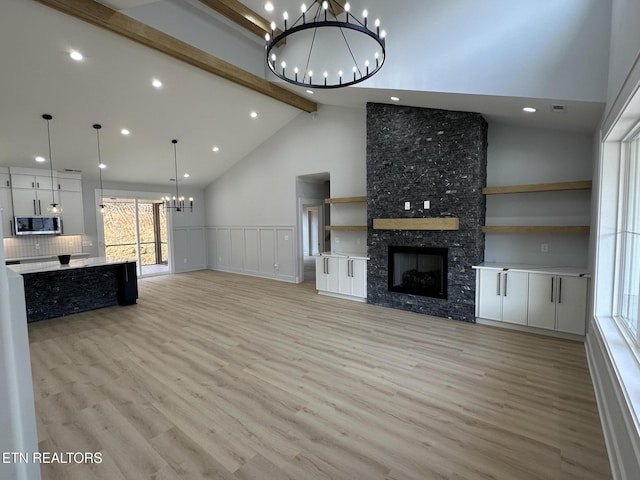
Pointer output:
x,y
112,86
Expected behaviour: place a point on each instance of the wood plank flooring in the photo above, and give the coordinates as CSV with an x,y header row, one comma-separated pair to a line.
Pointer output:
x,y
219,376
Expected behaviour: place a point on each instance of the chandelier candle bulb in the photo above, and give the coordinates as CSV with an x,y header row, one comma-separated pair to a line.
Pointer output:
x,y
285,16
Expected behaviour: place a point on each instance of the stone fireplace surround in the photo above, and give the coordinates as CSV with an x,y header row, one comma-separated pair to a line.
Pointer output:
x,y
417,154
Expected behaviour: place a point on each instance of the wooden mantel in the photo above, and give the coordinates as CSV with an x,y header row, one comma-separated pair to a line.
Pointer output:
x,y
434,223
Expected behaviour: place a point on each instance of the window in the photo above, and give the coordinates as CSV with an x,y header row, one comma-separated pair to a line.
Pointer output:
x,y
628,291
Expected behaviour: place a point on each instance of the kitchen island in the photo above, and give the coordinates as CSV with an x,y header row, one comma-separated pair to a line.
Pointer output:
x,y
54,290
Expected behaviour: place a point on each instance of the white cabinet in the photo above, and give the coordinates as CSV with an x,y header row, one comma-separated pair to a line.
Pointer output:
x,y
352,277
35,182
6,205
342,276
502,296
558,302
327,273
549,298
30,201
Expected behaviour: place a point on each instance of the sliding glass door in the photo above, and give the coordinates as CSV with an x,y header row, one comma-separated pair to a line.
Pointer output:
x,y
136,230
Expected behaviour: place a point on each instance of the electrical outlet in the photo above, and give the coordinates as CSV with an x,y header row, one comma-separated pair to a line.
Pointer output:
x,y
407,205
427,205
544,248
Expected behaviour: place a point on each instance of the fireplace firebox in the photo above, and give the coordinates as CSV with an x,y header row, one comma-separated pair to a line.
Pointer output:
x,y
418,271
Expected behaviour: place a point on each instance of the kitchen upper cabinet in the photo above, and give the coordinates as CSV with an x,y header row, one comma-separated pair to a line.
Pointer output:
x,y
38,182
69,183
32,202
72,213
6,205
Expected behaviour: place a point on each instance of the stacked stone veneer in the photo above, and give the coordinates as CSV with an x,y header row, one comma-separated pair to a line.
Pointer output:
x,y
417,154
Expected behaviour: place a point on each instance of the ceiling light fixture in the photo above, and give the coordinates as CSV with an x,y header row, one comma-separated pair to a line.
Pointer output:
x,y
101,166
340,39
529,110
216,149
186,175
254,114
310,92
156,83
40,159
53,208
177,203
75,55
124,131
268,7
394,99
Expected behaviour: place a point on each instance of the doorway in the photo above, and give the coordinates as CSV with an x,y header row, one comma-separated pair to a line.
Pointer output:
x,y
312,218
136,229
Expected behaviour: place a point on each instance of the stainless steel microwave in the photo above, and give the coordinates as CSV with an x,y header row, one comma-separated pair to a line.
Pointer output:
x,y
38,225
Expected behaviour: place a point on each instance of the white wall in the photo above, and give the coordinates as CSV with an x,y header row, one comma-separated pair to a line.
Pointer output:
x,y
260,191
519,156
624,45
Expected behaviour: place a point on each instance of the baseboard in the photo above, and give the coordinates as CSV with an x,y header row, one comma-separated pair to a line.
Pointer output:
x,y
528,329
249,273
620,433
344,297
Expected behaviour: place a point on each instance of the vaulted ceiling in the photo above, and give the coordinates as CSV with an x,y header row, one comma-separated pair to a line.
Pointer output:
x,y
112,85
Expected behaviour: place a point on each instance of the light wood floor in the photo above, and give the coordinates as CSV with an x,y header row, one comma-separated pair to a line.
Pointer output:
x,y
227,377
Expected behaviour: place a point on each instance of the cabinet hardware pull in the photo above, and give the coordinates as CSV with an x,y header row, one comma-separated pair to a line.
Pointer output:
x,y
551,289
560,290
39,208
58,186
11,227
505,284
35,210
8,183
498,286
38,184
351,262
33,185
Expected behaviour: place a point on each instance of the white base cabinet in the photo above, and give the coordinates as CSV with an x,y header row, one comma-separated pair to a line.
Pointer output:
x,y
342,276
547,298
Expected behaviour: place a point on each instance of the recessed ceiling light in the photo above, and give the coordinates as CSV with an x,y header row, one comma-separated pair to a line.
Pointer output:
x,y
216,148
75,55
310,92
156,83
254,114
395,99
268,7
124,131
41,159
186,175
102,165
529,109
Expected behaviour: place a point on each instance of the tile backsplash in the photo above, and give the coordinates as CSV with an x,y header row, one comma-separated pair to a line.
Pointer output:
x,y
42,245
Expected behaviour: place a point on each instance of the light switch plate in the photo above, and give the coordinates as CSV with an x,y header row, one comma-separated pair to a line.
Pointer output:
x,y
407,205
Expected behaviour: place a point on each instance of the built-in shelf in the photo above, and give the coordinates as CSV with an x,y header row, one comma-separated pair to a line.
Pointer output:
x,y
581,229
538,187
435,223
345,200
336,228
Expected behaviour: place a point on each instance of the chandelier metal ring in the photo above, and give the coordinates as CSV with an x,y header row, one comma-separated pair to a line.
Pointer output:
x,y
359,74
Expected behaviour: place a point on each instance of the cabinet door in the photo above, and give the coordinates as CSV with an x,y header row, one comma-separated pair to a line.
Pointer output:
x,y
345,283
5,180
321,274
489,295
72,213
515,286
359,278
6,212
43,182
542,300
571,305
25,202
332,274
23,181
69,184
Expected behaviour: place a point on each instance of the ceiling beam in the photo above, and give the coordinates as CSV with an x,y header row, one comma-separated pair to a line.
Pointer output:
x,y
242,15
102,16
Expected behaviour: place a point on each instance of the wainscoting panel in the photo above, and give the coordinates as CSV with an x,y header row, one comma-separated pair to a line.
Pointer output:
x,y
267,251
251,250
237,248
189,249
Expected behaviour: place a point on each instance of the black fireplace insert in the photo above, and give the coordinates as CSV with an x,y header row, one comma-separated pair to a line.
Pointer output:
x,y
418,271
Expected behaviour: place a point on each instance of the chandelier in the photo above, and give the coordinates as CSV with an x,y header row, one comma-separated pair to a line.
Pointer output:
x,y
326,47
177,203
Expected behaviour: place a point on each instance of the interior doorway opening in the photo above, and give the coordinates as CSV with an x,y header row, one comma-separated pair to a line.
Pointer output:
x,y
136,229
312,219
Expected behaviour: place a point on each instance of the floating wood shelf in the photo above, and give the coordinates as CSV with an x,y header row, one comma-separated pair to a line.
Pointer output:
x,y
347,227
345,200
436,223
581,229
538,187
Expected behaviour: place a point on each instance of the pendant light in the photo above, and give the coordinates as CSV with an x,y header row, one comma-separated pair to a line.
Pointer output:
x,y
53,208
177,203
101,166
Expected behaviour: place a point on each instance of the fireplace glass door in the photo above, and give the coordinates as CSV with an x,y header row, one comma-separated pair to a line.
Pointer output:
x,y
418,271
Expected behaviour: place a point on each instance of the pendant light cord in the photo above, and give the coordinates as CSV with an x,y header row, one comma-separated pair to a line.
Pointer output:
x,y
53,196
98,127
175,162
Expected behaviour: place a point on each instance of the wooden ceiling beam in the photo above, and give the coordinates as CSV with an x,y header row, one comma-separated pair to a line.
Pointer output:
x,y
105,17
242,15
